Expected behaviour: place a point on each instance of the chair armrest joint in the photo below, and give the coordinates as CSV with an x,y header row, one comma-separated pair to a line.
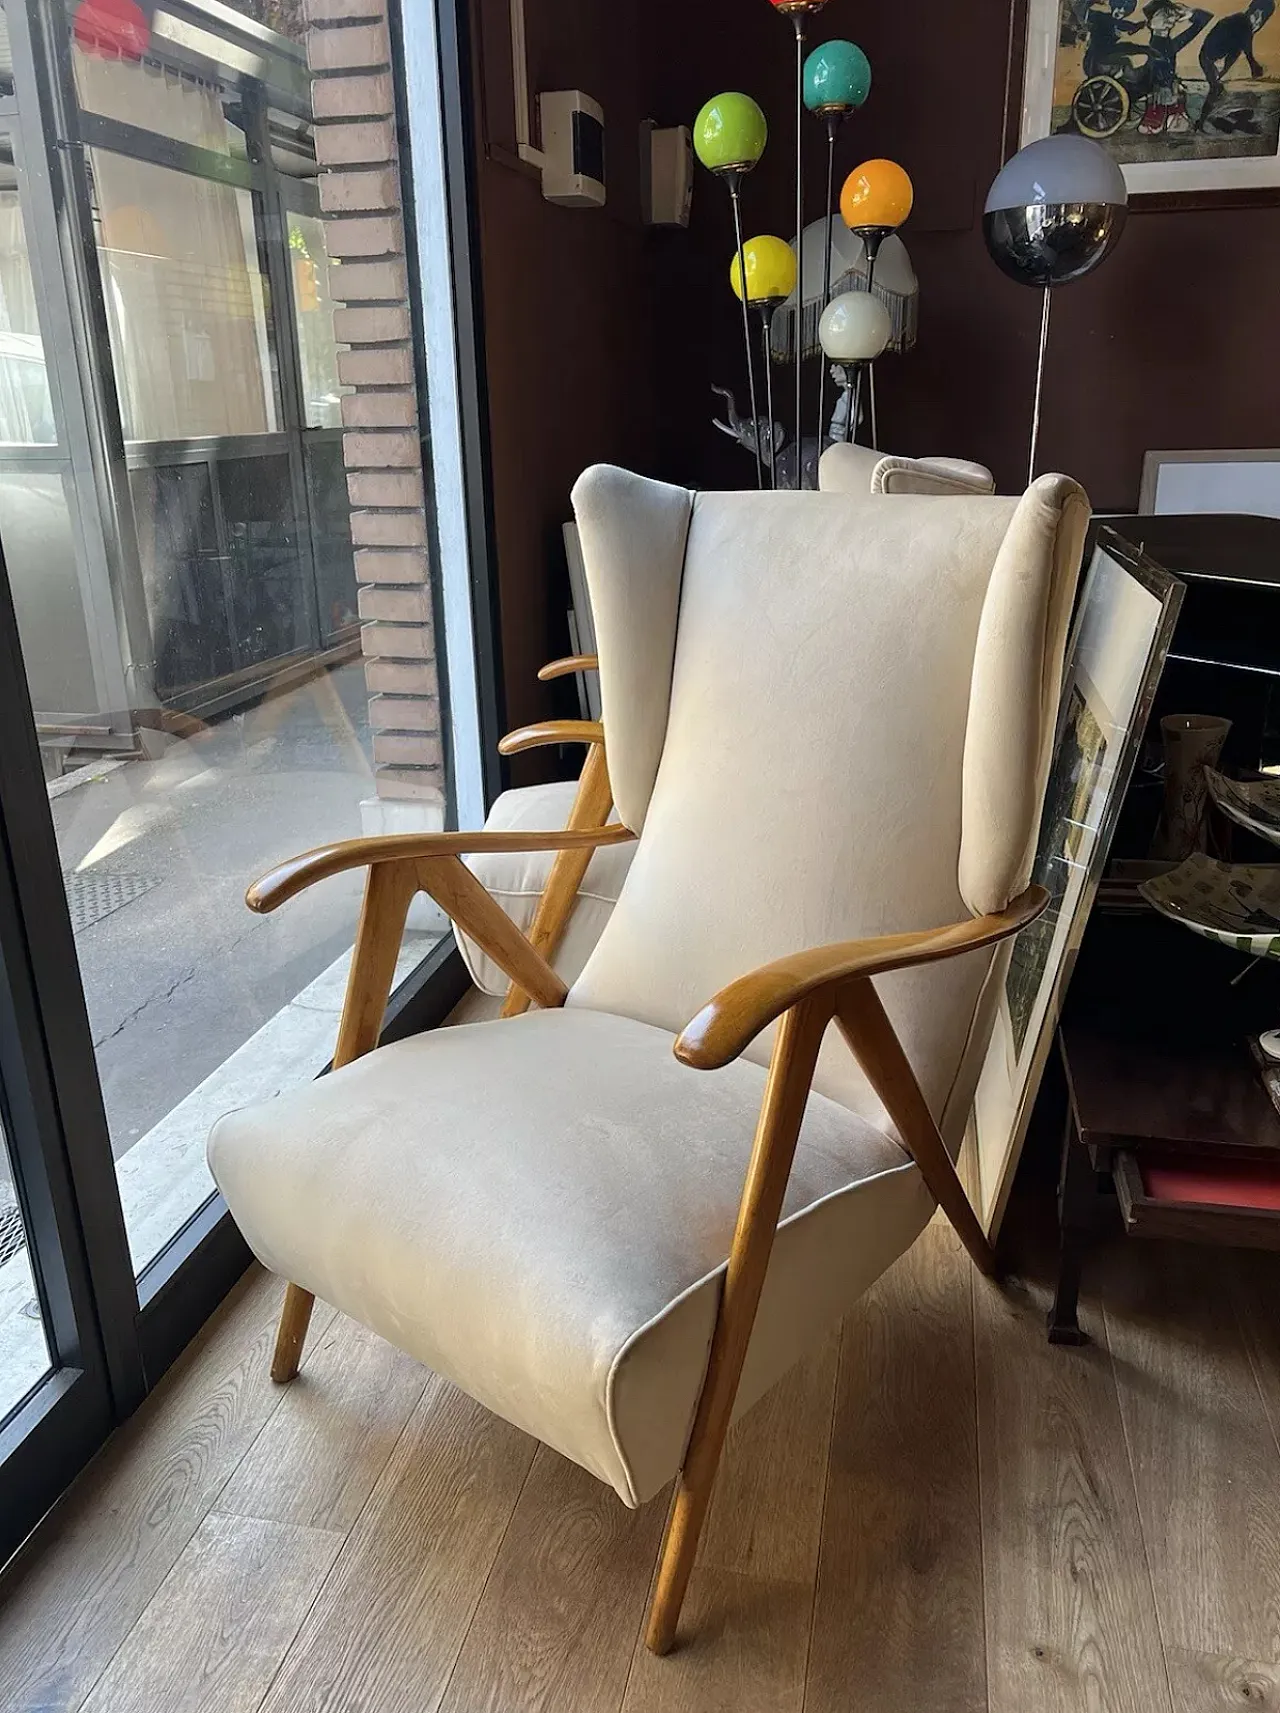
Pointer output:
x,y
725,1027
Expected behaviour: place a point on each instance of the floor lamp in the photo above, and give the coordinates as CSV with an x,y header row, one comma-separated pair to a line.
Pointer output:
x,y
875,200
769,266
729,137
1053,213
854,331
799,11
837,80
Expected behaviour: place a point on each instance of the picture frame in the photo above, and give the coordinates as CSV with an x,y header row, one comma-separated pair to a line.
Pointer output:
x,y
1124,624
1214,480
1167,88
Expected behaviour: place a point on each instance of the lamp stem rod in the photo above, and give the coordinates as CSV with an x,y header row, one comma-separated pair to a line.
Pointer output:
x,y
871,401
1035,414
734,189
833,125
766,324
798,20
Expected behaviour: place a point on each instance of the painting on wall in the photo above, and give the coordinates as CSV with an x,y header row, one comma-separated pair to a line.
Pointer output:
x,y
1186,98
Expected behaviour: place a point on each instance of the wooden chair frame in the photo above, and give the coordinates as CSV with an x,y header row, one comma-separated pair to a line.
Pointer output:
x,y
805,992
591,808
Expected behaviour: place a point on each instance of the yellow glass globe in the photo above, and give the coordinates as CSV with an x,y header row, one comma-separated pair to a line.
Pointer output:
x,y
771,270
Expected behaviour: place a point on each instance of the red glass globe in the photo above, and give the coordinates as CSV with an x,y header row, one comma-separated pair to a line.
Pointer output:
x,y
114,29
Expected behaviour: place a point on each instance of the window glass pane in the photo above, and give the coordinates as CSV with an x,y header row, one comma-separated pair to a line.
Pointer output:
x,y
186,302
313,311
24,1349
193,646
26,407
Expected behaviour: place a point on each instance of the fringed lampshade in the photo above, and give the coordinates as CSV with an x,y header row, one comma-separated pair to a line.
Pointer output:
x,y
895,285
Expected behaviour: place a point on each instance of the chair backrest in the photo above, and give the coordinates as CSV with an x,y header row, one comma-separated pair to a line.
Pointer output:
x,y
849,468
827,717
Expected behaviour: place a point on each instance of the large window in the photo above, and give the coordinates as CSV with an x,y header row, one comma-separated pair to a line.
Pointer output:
x,y
179,595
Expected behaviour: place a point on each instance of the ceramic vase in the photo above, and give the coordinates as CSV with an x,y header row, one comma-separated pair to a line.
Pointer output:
x,y
1192,742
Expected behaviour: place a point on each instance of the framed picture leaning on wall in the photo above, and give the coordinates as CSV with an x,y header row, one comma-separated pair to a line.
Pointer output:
x,y
1123,627
1186,98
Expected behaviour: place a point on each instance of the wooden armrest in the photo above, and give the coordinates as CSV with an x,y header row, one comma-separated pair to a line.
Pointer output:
x,y
295,876
727,1026
549,732
571,663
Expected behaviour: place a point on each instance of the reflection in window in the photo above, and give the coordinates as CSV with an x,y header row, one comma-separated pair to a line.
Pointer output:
x,y
173,103
286,17
313,307
26,408
6,56
185,302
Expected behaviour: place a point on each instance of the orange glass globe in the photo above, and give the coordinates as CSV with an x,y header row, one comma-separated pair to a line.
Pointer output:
x,y
878,193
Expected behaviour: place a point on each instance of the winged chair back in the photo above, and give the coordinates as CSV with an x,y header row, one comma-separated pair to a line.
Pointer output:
x,y
828,717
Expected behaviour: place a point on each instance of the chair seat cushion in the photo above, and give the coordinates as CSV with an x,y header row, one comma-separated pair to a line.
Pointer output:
x,y
540,1209
517,880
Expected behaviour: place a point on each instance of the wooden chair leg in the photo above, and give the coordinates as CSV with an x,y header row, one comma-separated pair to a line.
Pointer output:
x,y
866,1027
590,809
388,891
295,1317
795,1052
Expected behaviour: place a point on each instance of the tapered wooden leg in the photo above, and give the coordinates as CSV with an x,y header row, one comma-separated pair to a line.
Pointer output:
x,y
388,889
295,1317
795,1052
866,1026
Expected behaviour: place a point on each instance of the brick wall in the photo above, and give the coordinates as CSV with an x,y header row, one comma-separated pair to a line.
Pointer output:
x,y
353,98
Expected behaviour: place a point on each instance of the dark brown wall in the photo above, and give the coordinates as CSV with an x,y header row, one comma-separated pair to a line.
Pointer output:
x,y
568,325
1166,345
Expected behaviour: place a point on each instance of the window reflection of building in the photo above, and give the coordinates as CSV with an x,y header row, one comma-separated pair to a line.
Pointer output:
x,y
225,554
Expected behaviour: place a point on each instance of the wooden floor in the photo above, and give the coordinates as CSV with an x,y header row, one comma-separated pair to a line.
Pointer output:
x,y
937,1512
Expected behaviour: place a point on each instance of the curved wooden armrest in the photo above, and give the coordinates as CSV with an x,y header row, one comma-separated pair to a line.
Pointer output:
x,y
295,876
727,1026
571,663
549,732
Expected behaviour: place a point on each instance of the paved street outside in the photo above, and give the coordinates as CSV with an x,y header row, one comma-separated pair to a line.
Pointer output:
x,y
178,977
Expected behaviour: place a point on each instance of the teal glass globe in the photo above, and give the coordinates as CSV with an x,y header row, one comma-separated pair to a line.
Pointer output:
x,y
730,133
837,78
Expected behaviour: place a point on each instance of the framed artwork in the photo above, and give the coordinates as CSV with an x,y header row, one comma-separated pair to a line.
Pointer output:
x,y
1186,98
1214,481
1123,628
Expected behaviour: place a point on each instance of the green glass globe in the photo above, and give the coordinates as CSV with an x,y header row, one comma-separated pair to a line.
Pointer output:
x,y
730,133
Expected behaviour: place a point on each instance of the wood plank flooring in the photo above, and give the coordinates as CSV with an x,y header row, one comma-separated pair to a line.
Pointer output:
x,y
936,1511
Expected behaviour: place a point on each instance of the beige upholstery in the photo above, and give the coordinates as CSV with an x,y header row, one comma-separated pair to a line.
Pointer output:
x,y
853,469
792,627
549,1225
517,880
830,717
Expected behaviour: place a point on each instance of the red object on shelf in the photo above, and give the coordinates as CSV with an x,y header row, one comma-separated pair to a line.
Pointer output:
x,y
1234,1183
114,29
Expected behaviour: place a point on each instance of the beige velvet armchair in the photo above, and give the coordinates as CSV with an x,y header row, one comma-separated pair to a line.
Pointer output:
x,y
620,1218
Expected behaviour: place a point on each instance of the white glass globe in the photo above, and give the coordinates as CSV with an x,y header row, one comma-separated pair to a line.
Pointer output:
x,y
855,328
